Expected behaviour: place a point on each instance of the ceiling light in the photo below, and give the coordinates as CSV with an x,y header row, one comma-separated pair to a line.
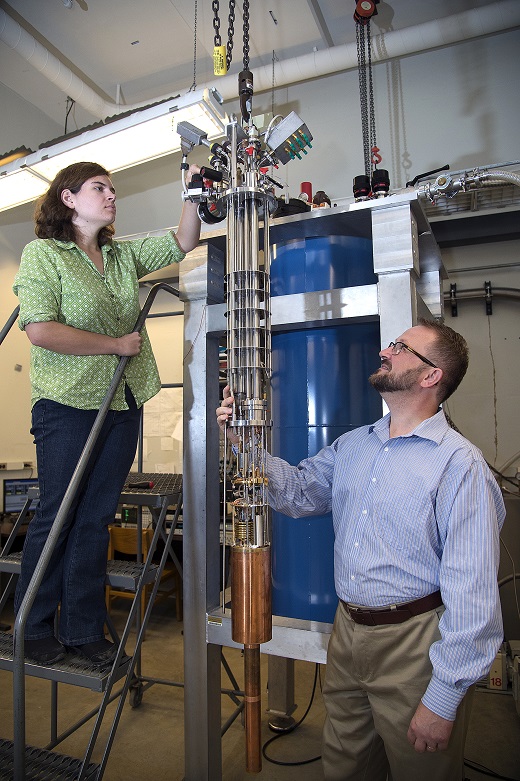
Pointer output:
x,y
117,144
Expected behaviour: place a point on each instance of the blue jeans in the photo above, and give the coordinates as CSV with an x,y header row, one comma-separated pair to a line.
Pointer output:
x,y
75,577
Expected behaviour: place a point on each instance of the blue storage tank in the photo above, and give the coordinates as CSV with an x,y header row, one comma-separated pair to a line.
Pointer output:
x,y
319,391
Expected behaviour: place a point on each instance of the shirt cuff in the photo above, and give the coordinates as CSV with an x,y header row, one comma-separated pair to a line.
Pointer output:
x,y
443,699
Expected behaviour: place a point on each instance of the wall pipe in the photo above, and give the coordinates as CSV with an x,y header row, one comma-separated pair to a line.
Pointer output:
x,y
498,292
493,18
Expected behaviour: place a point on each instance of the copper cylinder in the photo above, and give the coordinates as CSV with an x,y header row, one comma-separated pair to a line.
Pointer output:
x,y
252,708
251,619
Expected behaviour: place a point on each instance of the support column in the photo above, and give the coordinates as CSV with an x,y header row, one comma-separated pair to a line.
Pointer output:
x,y
280,701
407,262
201,282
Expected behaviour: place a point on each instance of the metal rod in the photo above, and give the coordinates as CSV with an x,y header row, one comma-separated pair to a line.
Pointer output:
x,y
7,327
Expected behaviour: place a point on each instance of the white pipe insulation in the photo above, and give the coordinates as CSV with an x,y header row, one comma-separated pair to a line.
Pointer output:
x,y
486,20
497,177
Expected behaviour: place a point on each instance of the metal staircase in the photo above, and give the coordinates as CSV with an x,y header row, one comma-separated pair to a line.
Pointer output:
x,y
41,763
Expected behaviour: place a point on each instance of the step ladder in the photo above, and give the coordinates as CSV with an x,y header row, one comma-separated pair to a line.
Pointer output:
x,y
21,762
165,495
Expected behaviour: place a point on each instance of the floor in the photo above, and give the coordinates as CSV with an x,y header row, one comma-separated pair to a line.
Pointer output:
x,y
149,741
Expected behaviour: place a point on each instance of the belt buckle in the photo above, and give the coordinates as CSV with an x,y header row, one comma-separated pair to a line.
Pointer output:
x,y
362,616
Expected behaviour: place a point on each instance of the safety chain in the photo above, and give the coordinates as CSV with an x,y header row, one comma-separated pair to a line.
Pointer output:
x,y
245,15
274,59
215,5
194,85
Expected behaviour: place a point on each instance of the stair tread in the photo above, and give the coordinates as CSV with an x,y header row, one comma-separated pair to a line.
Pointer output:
x,y
72,669
40,763
121,574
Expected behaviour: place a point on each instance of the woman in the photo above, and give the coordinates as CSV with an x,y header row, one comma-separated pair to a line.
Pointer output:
x,y
79,301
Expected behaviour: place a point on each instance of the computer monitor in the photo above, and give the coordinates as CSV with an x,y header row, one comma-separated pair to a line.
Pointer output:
x,y
16,491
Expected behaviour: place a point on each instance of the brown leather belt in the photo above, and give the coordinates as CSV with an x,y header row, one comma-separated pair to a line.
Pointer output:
x,y
394,614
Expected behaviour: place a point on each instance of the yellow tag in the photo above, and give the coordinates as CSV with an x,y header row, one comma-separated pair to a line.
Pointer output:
x,y
219,61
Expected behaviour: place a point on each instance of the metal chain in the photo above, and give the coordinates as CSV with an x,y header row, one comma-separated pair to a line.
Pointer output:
x,y
216,22
274,59
194,85
371,94
231,32
245,15
362,73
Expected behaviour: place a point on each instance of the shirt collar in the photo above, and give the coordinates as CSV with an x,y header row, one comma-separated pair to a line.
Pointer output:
x,y
108,247
433,428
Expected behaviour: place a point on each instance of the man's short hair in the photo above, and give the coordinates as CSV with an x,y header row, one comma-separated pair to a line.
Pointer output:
x,y
450,353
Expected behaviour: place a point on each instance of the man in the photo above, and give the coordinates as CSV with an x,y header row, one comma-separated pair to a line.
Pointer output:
x,y
417,516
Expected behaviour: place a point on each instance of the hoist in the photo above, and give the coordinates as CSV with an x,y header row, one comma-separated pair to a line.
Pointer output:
x,y
374,182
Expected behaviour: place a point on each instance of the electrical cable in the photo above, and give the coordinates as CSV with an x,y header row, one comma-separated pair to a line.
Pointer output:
x,y
513,480
291,729
514,576
69,106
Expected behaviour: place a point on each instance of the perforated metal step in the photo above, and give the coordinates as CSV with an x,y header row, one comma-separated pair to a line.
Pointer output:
x,y
120,574
11,563
71,670
126,574
42,765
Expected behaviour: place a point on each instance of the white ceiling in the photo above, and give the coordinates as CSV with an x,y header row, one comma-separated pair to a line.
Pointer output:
x,y
144,49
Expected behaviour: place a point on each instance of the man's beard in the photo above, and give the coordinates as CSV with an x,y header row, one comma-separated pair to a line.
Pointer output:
x,y
388,382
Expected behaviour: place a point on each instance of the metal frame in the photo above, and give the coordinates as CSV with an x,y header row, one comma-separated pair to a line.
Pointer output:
x,y
408,264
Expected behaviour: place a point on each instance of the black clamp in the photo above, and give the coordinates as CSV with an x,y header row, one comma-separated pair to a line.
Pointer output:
x,y
488,297
453,300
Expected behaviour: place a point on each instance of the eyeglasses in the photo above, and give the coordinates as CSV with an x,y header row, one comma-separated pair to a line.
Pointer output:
x,y
398,347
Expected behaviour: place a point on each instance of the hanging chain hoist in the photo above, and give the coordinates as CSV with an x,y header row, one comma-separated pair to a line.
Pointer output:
x,y
374,182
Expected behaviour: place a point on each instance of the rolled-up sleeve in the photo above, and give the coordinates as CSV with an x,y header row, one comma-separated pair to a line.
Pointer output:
x,y
37,285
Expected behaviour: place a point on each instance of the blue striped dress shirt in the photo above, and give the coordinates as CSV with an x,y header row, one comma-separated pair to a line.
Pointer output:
x,y
411,514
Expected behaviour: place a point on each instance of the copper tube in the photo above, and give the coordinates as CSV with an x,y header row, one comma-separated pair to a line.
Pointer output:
x,y
252,709
251,620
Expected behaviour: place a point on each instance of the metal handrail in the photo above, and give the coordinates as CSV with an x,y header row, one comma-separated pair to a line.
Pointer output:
x,y
52,539
7,327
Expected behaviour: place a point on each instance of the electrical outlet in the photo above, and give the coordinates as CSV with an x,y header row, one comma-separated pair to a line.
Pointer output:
x,y
28,465
3,466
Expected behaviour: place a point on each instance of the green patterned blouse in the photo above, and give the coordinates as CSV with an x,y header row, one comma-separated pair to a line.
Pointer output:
x,y
58,281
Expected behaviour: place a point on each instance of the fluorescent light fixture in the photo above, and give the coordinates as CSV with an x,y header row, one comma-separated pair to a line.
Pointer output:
x,y
143,135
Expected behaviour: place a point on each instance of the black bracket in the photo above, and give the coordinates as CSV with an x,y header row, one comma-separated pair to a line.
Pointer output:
x,y
453,300
489,298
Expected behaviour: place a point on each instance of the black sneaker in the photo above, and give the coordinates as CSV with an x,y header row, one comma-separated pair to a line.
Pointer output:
x,y
47,650
98,653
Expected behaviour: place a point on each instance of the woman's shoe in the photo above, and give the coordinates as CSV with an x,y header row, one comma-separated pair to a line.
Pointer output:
x,y
98,653
47,650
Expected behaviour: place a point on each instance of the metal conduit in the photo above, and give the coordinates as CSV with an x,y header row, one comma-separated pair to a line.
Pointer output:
x,y
498,292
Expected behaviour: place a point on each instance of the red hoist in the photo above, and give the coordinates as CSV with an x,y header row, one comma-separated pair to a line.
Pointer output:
x,y
375,181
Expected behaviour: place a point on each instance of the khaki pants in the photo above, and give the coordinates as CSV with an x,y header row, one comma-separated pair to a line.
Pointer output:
x,y
375,678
